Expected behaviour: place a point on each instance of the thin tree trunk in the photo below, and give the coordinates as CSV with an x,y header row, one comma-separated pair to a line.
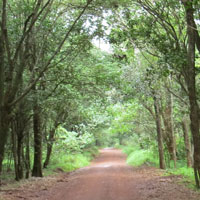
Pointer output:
x,y
17,141
159,133
27,156
20,156
14,149
4,130
169,129
49,147
171,122
187,142
1,71
37,165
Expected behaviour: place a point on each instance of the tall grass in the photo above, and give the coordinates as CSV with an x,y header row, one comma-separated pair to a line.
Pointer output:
x,y
129,149
137,157
71,162
186,172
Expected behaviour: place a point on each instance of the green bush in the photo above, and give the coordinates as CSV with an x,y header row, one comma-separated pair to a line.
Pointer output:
x,y
73,142
91,153
140,157
186,172
72,161
129,149
137,156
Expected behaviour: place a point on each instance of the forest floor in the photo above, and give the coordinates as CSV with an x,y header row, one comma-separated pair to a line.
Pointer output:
x,y
107,178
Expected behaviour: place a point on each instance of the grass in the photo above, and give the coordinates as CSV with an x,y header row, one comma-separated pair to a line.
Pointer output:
x,y
129,149
137,157
186,173
61,162
71,162
141,157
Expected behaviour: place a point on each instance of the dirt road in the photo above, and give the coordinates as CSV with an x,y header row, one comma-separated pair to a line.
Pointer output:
x,y
109,178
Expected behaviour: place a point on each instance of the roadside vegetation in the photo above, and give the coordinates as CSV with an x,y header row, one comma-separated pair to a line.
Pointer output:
x,y
137,157
62,97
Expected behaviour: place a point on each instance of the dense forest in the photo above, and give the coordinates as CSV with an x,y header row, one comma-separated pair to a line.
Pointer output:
x,y
62,97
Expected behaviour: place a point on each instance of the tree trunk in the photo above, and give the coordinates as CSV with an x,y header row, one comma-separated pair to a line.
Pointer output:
x,y
4,131
20,167
1,70
169,129
14,150
27,155
37,165
191,85
187,142
159,133
120,137
17,142
49,147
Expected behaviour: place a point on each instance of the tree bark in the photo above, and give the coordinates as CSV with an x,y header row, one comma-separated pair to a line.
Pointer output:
x,y
191,85
18,127
1,71
49,147
187,142
20,167
27,156
159,133
169,129
4,131
3,126
14,151
37,165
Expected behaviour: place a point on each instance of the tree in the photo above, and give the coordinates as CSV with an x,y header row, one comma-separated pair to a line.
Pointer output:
x,y
193,41
16,56
157,30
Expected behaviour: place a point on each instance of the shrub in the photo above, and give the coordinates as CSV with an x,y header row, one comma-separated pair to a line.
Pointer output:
x,y
140,157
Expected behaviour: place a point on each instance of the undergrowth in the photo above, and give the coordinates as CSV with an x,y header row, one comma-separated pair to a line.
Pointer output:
x,y
71,162
137,157
61,161
186,173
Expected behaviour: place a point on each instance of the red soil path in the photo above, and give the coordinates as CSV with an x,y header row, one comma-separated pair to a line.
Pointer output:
x,y
107,178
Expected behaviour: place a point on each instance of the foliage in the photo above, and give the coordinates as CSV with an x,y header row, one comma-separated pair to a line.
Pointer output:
x,y
71,161
71,97
73,141
137,157
186,172
129,149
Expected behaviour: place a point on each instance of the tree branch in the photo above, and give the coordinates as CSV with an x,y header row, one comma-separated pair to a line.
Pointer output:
x,y
27,90
178,97
35,15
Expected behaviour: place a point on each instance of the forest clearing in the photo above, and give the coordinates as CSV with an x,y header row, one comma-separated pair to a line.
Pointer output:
x,y
78,76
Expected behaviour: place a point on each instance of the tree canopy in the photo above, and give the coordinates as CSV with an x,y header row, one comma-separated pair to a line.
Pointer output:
x,y
61,93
